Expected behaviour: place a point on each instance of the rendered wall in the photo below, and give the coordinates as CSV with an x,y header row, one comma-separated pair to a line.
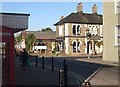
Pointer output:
x,y
110,51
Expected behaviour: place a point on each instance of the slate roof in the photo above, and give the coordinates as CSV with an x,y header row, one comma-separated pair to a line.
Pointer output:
x,y
82,18
43,34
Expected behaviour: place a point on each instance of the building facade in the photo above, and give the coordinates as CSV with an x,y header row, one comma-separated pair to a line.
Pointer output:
x,y
111,30
45,42
79,33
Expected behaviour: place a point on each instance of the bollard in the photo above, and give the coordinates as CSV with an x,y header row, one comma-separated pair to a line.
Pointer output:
x,y
65,74
52,64
20,59
36,61
87,84
61,78
64,61
42,62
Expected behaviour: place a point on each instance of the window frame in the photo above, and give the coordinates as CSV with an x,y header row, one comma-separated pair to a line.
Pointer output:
x,y
117,35
74,30
117,6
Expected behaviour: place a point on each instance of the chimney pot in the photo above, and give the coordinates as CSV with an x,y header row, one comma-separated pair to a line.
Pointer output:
x,y
62,17
94,9
80,3
80,7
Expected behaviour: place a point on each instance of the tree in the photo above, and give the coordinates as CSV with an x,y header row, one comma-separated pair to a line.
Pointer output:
x,y
29,41
46,29
98,44
17,39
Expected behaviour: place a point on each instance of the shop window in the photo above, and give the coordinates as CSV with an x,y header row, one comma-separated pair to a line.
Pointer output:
x,y
39,44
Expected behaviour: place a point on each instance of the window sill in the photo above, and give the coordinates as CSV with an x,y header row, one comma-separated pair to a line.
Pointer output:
x,y
117,45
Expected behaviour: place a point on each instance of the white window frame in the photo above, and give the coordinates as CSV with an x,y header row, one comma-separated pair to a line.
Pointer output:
x,y
117,6
94,30
76,26
78,30
90,29
75,29
117,36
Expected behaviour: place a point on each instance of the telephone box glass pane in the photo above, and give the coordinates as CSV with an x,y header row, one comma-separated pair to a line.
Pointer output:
x,y
4,61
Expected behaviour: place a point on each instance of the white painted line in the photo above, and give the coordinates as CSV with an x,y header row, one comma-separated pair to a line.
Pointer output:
x,y
92,75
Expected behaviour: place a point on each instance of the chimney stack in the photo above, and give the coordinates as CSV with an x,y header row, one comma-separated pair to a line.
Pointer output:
x,y
62,17
94,9
80,7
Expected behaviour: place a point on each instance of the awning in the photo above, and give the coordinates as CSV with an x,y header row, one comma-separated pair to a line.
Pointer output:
x,y
16,21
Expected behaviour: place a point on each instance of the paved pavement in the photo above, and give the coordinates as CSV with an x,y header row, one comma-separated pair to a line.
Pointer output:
x,y
39,76
105,75
35,75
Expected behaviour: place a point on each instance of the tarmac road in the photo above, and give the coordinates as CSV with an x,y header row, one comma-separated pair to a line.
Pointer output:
x,y
80,70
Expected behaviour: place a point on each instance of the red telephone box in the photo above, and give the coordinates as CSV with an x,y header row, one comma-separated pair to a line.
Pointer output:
x,y
11,23
7,52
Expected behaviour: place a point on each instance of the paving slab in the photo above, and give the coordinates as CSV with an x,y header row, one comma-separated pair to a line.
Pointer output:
x,y
104,75
35,75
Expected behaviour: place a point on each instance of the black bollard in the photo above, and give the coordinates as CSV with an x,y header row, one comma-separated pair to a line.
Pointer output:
x,y
65,74
64,61
36,61
61,78
52,64
20,59
42,62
